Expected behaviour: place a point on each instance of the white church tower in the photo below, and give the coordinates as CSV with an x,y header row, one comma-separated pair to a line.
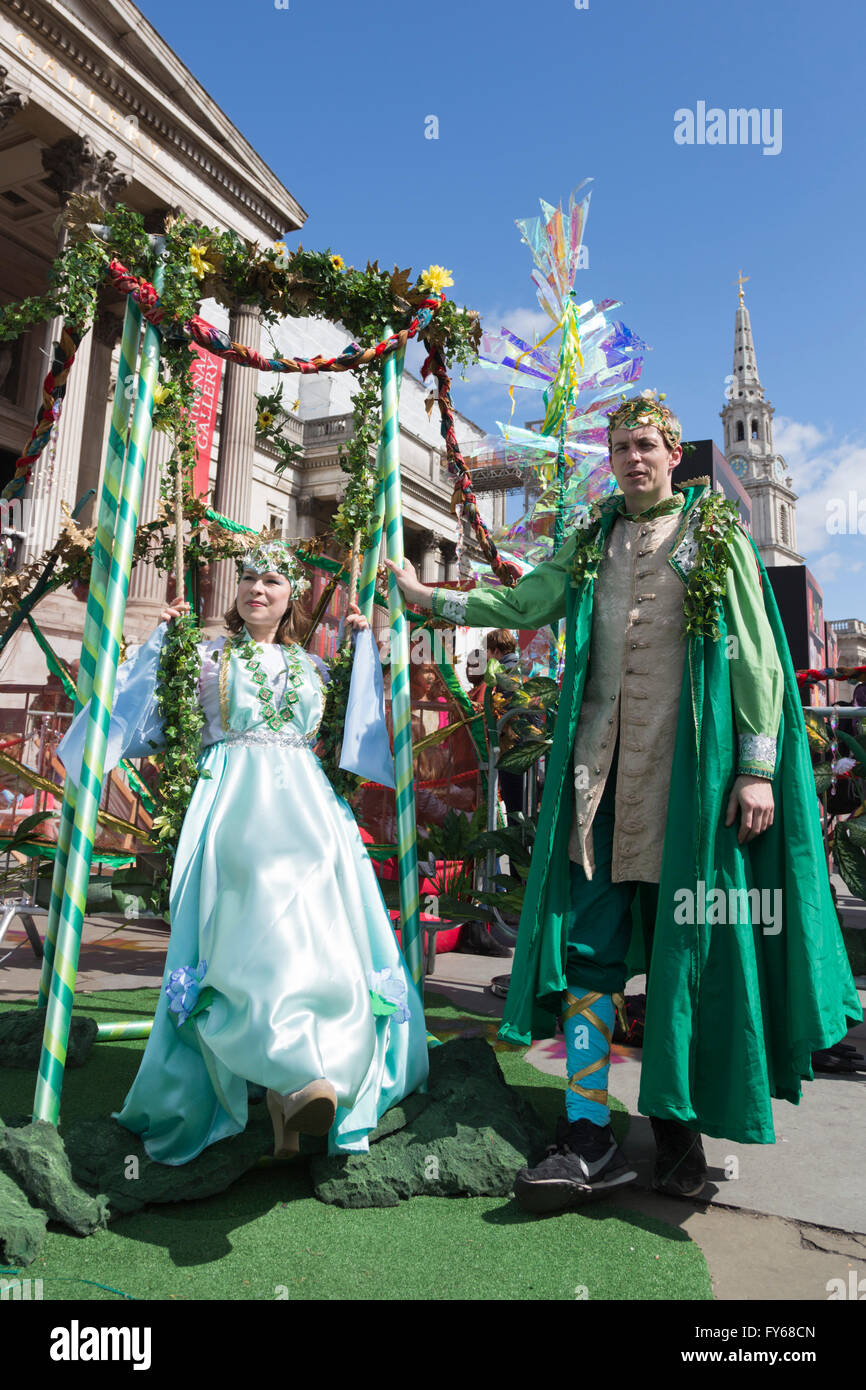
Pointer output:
x,y
748,421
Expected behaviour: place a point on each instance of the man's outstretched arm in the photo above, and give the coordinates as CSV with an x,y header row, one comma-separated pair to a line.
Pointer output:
x,y
535,600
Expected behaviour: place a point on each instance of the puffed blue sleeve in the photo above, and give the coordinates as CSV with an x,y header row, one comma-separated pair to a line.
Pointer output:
x,y
366,750
136,728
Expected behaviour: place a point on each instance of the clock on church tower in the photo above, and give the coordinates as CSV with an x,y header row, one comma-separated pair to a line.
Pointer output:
x,y
739,465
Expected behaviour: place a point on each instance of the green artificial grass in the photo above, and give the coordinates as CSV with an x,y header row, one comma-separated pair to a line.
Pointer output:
x,y
267,1238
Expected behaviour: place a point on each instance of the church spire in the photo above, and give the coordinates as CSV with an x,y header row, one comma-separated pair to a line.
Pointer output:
x,y
749,449
747,384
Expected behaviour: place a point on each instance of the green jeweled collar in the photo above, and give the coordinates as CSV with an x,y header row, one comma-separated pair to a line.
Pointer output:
x,y
249,652
668,504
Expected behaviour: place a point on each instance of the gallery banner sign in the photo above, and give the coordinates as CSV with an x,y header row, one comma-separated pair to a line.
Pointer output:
x,y
206,373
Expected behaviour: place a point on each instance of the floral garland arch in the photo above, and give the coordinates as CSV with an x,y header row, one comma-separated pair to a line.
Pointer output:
x,y
111,248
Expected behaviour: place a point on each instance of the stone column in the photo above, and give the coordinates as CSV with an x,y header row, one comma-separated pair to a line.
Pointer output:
x,y
234,481
431,545
105,335
147,588
448,551
55,475
73,166
304,526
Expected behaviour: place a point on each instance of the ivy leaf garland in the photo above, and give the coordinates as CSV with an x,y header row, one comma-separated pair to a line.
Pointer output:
x,y
271,418
183,720
333,722
358,459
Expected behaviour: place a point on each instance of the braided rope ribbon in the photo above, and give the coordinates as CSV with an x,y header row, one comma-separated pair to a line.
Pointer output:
x,y
463,494
53,391
221,345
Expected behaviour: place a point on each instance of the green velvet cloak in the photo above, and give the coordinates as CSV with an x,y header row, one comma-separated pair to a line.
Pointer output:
x,y
734,1011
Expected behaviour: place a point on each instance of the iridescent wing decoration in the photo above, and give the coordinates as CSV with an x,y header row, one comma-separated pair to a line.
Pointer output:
x,y
582,368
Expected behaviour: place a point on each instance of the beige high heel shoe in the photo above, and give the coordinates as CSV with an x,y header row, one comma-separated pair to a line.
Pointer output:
x,y
311,1110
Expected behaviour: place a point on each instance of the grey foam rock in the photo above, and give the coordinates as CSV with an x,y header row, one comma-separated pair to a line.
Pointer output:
x,y
21,1038
468,1139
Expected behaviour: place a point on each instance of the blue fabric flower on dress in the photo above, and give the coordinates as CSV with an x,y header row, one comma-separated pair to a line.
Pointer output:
x,y
389,994
183,990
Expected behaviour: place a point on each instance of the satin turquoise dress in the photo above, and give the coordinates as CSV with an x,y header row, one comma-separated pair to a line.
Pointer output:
x,y
282,965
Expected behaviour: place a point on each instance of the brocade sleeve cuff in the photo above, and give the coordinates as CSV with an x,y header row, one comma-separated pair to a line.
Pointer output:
x,y
756,755
451,605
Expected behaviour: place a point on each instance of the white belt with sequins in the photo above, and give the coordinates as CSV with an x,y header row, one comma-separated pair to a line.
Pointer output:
x,y
280,738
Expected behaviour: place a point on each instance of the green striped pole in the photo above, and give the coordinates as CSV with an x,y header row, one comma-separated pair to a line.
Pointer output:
x,y
370,564
61,996
121,1032
100,561
558,538
401,703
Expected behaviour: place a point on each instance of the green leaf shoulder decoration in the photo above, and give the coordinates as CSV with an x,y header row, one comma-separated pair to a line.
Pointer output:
x,y
708,580
589,547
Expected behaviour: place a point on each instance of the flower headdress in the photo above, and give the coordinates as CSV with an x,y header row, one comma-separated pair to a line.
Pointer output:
x,y
277,558
645,409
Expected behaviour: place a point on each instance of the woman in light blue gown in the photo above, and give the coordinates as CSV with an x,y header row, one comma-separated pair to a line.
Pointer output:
x,y
283,969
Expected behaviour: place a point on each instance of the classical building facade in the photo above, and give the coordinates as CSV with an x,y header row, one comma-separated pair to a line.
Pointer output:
x,y
92,100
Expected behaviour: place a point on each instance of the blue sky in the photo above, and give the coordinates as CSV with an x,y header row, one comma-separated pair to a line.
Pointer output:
x,y
532,98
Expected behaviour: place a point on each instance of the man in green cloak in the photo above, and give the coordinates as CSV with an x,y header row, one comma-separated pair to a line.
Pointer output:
x,y
678,798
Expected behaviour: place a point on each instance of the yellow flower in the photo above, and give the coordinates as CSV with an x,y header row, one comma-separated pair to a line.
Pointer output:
x,y
337,262
436,278
197,260
160,391
266,419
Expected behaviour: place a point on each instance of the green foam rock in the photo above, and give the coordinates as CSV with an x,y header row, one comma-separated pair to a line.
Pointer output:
x,y
468,1140
21,1038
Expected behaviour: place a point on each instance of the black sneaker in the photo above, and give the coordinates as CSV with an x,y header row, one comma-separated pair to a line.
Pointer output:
x,y
584,1163
681,1165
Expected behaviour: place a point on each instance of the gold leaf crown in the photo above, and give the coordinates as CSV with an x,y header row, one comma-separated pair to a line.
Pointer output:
x,y
645,409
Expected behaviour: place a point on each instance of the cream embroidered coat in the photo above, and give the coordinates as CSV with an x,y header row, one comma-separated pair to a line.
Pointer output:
x,y
633,687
